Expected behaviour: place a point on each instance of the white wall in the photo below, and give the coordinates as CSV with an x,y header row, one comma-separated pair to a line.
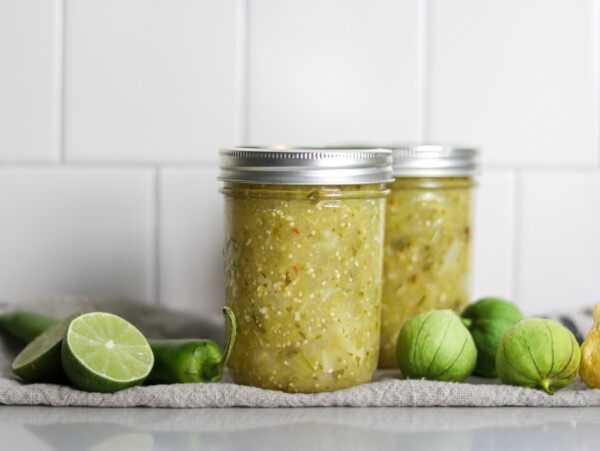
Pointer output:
x,y
112,111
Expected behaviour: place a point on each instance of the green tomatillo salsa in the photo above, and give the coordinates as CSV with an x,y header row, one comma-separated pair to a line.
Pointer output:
x,y
302,275
427,252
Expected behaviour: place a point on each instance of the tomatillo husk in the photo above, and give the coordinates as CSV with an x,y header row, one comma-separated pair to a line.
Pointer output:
x,y
538,353
590,353
435,345
488,319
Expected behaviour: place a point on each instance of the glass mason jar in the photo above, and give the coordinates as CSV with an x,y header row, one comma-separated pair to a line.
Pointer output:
x,y
427,252
303,263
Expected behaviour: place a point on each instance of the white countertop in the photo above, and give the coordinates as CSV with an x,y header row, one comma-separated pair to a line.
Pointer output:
x,y
489,429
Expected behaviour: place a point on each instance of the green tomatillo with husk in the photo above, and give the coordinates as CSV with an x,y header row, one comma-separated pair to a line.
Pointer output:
x,y
538,353
435,345
488,319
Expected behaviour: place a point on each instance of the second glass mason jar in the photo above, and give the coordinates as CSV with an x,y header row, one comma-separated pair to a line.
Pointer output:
x,y
303,263
427,253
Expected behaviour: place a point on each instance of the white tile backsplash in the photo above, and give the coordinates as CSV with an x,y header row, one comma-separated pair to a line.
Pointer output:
x,y
336,71
149,81
191,239
559,243
493,235
75,230
100,99
29,80
518,78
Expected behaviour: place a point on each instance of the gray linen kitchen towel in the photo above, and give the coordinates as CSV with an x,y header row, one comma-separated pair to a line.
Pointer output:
x,y
386,390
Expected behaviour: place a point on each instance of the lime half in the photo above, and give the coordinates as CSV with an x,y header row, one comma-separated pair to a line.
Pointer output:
x,y
102,352
40,360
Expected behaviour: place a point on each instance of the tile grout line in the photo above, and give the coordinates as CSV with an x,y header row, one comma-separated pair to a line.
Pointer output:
x,y
59,80
156,242
105,165
423,68
515,239
241,75
595,17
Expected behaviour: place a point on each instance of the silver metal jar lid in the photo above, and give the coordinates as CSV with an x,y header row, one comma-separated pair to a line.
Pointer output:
x,y
305,165
433,160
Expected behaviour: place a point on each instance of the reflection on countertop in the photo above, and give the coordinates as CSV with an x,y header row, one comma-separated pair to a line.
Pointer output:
x,y
310,428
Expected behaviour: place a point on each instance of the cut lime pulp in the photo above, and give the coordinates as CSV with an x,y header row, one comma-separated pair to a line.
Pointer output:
x,y
102,352
40,360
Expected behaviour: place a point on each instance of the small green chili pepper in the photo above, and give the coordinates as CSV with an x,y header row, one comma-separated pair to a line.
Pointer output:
x,y
25,326
190,360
